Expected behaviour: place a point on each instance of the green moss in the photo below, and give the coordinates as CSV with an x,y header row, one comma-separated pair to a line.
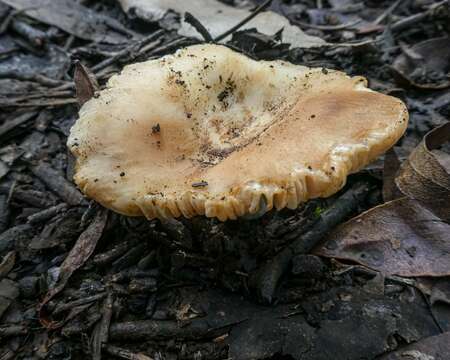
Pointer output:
x,y
318,211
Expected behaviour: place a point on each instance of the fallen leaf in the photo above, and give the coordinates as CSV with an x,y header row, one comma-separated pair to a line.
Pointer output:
x,y
440,292
73,18
431,348
425,176
399,237
371,319
80,253
217,18
85,83
425,61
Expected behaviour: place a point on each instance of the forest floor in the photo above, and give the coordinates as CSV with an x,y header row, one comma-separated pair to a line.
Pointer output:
x,y
361,275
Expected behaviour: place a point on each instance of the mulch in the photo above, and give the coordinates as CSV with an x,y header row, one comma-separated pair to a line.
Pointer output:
x,y
79,281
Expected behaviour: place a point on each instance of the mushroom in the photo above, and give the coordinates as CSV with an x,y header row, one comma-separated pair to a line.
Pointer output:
x,y
209,131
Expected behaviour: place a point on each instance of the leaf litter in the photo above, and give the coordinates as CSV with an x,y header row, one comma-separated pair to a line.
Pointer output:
x,y
80,253
186,289
425,176
399,237
74,18
430,348
409,236
218,18
425,65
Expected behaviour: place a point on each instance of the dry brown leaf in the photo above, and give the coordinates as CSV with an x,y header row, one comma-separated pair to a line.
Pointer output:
x,y
80,253
425,176
399,237
422,62
85,83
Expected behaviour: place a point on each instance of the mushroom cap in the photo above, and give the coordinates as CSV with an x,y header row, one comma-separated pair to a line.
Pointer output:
x,y
209,131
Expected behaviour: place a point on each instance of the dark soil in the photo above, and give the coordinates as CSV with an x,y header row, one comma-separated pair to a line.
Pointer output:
x,y
78,281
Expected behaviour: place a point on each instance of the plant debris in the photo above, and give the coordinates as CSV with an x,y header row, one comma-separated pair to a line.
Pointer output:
x,y
217,18
424,62
363,274
433,347
397,238
425,176
75,19
85,83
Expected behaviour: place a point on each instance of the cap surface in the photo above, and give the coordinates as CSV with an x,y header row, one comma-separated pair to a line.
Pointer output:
x,y
208,131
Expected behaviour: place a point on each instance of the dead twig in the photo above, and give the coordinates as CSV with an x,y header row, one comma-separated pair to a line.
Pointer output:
x,y
109,256
10,16
387,12
267,277
131,257
36,103
101,331
38,78
178,42
195,23
34,36
260,8
354,44
125,354
153,48
58,184
10,125
47,214
163,329
71,304
327,27
127,51
12,330
413,19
